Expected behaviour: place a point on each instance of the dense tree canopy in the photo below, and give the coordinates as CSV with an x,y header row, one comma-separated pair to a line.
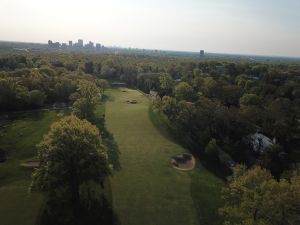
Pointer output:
x,y
228,100
213,106
183,91
72,157
255,197
88,95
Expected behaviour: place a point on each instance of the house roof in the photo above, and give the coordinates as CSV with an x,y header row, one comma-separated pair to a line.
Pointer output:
x,y
260,142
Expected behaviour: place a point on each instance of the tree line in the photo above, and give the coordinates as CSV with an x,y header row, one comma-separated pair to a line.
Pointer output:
x,y
215,108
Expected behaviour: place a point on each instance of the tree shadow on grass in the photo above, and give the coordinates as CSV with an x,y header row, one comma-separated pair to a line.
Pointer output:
x,y
106,98
215,166
55,212
92,210
206,194
175,135
110,98
112,150
109,142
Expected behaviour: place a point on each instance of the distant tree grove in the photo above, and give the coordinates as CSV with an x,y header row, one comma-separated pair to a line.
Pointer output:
x,y
213,107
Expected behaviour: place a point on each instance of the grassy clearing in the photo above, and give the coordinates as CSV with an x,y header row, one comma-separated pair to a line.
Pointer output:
x,y
20,139
147,190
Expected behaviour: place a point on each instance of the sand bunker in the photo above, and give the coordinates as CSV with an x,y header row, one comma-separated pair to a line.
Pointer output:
x,y
131,101
183,162
31,164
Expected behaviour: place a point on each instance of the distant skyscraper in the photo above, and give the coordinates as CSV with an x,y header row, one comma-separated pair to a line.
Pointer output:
x,y
98,46
80,42
56,44
50,43
201,53
70,43
91,44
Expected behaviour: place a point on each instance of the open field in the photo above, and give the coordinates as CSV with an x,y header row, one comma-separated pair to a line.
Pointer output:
x,y
147,190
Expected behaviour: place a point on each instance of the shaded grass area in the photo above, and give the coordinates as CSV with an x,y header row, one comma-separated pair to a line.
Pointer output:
x,y
17,206
147,190
98,211
19,139
205,187
107,137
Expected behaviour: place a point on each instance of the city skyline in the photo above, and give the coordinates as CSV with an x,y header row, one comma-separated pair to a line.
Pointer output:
x,y
235,27
79,44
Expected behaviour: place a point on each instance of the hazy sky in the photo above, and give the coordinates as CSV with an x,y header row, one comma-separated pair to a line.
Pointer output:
x,y
267,27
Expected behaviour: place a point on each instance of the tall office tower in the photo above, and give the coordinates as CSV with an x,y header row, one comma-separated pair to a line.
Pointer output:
x,y
80,42
201,53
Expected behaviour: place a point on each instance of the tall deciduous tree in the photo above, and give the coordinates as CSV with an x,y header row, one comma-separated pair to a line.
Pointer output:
x,y
102,85
89,95
88,89
71,157
166,84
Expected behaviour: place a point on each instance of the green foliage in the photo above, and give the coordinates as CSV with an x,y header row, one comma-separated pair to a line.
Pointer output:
x,y
241,80
241,96
209,87
87,98
183,91
166,85
109,68
102,85
212,149
148,81
169,107
186,112
89,67
12,95
71,156
84,109
250,100
231,95
46,71
36,98
12,62
197,83
255,197
88,90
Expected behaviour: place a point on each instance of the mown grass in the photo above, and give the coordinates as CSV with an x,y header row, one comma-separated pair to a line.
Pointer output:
x,y
147,190
205,187
19,138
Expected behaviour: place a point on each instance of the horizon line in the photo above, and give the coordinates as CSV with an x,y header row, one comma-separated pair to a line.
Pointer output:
x,y
170,50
